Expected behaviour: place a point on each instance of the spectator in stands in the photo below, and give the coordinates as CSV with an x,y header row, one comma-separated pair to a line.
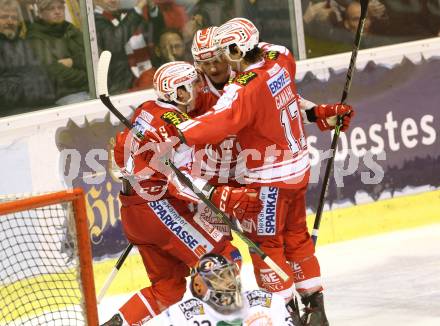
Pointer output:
x,y
170,47
174,14
124,32
351,18
199,19
433,21
408,18
24,84
59,46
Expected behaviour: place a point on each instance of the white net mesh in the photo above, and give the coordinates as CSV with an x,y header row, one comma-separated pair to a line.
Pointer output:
x,y
39,268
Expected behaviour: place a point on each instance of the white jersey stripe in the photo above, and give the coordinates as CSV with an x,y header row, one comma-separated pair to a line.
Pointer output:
x,y
309,284
146,303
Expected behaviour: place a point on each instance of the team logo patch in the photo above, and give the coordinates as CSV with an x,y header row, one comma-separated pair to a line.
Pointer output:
x,y
270,280
267,217
174,118
192,238
278,82
147,116
272,55
216,234
207,215
259,298
191,308
245,78
142,125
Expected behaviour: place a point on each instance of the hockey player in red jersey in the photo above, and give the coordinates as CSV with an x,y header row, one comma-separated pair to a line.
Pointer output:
x,y
262,107
214,162
155,214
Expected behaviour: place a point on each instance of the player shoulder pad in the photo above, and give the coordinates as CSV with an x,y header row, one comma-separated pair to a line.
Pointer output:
x,y
174,117
243,78
191,308
259,298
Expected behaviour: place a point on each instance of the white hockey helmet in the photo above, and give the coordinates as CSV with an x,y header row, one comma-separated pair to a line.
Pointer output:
x,y
203,47
216,281
172,75
239,31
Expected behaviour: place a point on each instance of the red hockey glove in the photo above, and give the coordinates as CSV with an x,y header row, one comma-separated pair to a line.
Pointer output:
x,y
237,202
326,115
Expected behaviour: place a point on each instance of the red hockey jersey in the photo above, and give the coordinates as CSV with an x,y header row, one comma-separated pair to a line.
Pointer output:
x,y
260,106
214,162
151,116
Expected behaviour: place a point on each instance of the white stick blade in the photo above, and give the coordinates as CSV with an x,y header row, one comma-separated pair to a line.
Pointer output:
x,y
103,65
106,285
277,269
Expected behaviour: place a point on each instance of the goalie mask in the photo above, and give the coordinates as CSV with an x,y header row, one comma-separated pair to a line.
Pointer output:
x,y
239,31
217,282
170,76
203,47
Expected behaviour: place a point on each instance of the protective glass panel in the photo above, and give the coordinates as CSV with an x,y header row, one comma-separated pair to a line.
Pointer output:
x,y
330,25
144,34
42,57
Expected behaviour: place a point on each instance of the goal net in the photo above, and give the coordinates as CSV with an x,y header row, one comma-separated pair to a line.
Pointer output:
x,y
46,274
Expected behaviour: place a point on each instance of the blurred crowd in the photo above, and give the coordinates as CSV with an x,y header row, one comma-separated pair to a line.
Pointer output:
x,y
329,25
43,58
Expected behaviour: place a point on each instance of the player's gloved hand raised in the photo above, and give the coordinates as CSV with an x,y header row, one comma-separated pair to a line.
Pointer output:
x,y
326,115
237,202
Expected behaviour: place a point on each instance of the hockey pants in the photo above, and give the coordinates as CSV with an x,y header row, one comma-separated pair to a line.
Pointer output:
x,y
170,241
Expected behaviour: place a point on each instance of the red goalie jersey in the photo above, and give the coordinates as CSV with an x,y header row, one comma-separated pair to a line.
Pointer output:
x,y
261,107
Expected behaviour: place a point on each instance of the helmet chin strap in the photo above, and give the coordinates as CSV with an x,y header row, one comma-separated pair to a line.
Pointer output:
x,y
237,61
189,90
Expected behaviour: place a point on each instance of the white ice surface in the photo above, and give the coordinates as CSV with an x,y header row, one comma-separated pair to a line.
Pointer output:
x,y
391,279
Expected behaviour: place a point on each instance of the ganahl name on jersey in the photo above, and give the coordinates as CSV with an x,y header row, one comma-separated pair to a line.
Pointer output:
x,y
278,82
192,238
191,308
259,298
174,117
244,78
267,217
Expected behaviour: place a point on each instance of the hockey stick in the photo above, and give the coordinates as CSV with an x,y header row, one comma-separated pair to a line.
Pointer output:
x,y
103,65
334,144
113,273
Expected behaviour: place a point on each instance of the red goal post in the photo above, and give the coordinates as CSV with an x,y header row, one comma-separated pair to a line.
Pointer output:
x,y
46,272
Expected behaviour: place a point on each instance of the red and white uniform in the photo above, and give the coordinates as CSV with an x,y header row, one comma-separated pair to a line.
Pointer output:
x,y
261,107
213,162
260,308
169,237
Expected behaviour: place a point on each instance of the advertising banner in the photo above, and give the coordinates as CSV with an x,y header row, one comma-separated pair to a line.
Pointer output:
x,y
391,147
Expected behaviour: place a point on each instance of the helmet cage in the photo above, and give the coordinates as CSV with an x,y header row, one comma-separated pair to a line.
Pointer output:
x,y
222,284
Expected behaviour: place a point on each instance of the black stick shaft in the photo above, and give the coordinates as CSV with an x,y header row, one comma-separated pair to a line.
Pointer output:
x,y
334,144
107,102
123,256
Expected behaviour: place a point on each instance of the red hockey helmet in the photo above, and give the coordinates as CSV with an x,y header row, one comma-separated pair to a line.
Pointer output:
x,y
203,47
172,75
239,31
